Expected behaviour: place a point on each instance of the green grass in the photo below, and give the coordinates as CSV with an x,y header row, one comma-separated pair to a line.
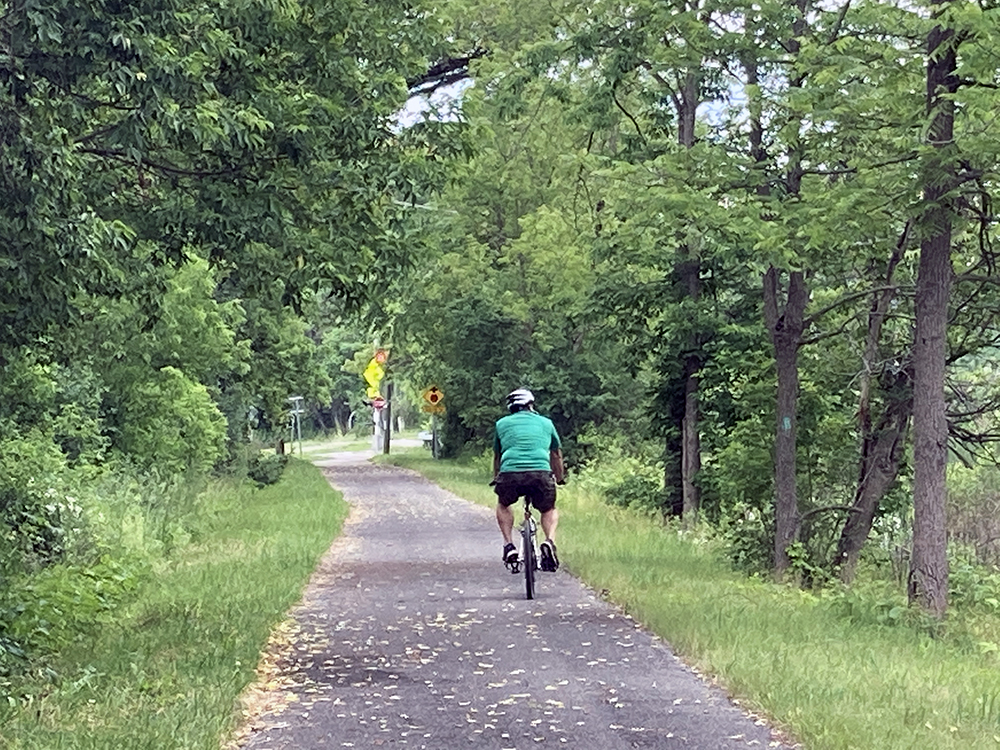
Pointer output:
x,y
317,447
169,672
834,681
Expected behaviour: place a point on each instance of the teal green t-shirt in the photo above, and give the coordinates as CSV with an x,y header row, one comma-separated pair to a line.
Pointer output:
x,y
523,440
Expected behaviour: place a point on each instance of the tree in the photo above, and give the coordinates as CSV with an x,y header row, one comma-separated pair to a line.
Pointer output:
x,y
928,581
258,135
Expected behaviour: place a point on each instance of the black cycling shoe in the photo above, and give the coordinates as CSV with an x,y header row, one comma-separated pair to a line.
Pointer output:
x,y
547,550
510,556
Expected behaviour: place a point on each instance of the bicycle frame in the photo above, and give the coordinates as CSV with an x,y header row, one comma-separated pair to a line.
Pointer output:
x,y
529,550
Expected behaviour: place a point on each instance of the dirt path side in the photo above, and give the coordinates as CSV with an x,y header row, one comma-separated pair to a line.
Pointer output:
x,y
411,634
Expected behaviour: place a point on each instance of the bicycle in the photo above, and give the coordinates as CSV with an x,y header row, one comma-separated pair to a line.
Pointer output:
x,y
528,557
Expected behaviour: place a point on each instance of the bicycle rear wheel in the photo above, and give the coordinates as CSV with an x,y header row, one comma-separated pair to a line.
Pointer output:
x,y
528,560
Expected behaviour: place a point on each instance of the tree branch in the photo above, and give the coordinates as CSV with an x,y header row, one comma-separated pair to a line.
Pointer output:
x,y
850,298
827,509
970,83
444,72
614,97
854,170
124,158
657,76
838,24
976,278
829,334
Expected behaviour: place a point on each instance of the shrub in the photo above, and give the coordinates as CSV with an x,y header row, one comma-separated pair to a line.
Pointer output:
x,y
612,456
747,533
50,609
974,510
39,515
266,468
636,491
100,542
972,585
171,422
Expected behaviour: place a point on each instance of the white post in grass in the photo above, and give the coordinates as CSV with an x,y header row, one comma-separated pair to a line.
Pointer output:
x,y
297,411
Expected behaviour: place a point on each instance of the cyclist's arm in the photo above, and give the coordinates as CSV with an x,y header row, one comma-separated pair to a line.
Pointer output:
x,y
556,464
496,454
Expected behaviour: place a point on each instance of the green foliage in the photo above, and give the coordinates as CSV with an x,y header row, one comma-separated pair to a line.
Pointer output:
x,y
747,535
871,607
172,422
40,519
180,186
267,468
742,470
74,545
973,585
504,301
64,402
974,510
637,492
286,361
169,665
338,353
62,604
130,123
182,346
623,472
175,182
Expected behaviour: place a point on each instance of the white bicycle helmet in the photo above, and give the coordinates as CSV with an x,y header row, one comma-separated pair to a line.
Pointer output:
x,y
519,399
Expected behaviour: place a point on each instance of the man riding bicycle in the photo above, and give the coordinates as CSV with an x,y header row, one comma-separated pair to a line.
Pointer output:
x,y
527,462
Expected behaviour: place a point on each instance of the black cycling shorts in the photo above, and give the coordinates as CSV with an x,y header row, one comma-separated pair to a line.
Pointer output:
x,y
538,486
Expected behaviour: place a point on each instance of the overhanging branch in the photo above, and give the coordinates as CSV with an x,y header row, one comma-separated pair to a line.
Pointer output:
x,y
444,73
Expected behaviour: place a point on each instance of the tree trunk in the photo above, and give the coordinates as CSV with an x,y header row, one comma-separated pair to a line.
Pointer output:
x,y
673,475
882,453
691,451
786,328
881,447
928,579
690,272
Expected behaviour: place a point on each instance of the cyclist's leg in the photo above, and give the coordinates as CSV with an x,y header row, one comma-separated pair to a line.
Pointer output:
x,y
505,520
550,519
507,494
544,499
506,497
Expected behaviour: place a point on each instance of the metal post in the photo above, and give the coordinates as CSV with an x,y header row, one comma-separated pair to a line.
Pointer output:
x,y
434,436
296,425
387,414
298,428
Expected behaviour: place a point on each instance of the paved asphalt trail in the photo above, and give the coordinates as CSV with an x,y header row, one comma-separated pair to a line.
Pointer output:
x,y
413,635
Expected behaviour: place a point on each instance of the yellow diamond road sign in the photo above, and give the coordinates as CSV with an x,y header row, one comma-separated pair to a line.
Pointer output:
x,y
373,375
433,400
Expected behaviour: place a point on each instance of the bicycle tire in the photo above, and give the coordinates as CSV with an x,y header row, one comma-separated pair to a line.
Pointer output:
x,y
529,561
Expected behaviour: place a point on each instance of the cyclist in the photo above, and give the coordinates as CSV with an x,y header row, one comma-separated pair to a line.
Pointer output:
x,y
527,462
